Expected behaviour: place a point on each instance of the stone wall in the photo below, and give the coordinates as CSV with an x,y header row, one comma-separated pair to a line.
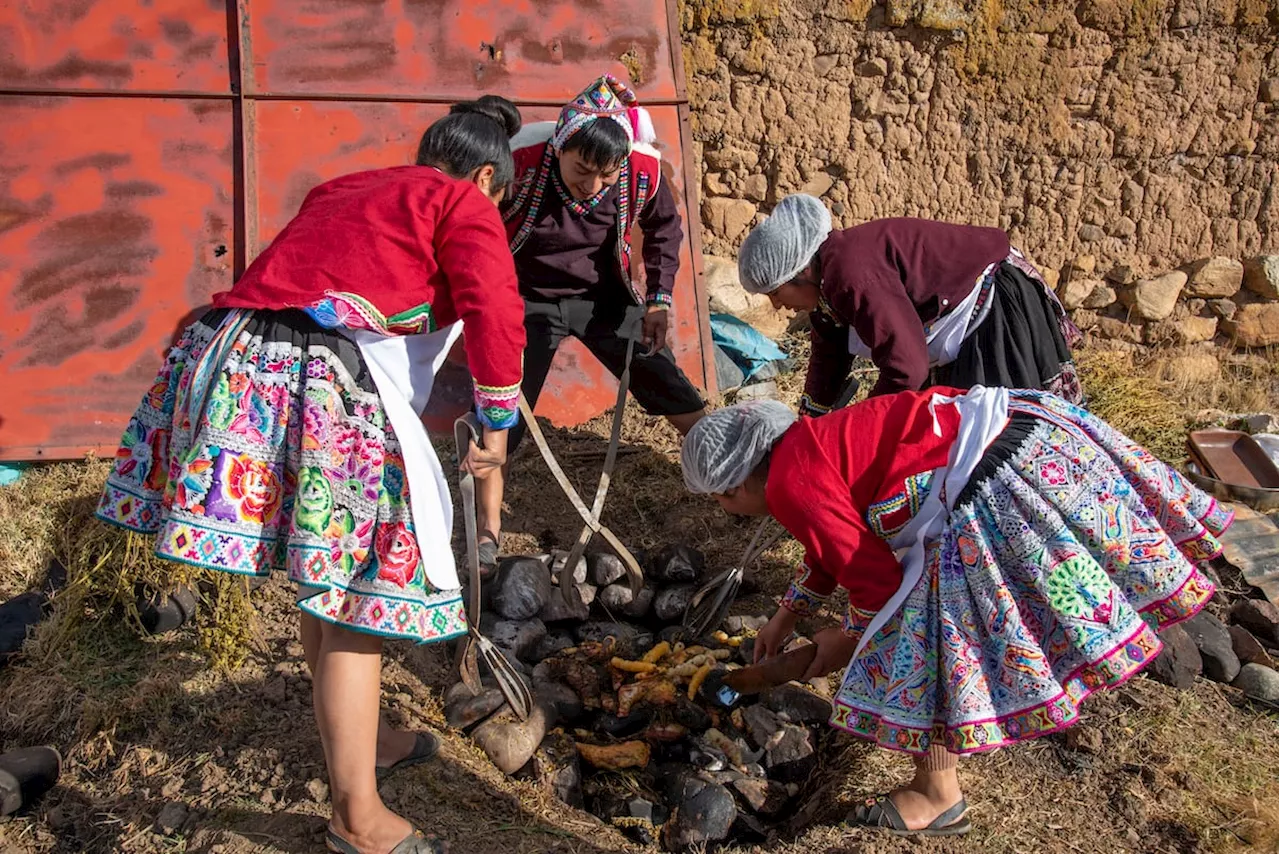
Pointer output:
x,y
1129,148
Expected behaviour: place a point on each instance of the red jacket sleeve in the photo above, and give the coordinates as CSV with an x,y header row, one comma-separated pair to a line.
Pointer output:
x,y
471,249
874,300
812,500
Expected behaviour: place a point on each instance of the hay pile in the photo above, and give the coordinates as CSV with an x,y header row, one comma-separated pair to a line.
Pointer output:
x,y
1134,402
50,523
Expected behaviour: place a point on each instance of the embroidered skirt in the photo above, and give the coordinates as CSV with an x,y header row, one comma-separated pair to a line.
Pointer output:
x,y
1022,342
1068,547
279,455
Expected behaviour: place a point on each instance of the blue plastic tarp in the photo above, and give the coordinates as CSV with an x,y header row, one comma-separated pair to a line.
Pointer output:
x,y
751,351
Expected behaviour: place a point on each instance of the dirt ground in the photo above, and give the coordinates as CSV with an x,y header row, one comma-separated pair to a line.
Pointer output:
x,y
146,723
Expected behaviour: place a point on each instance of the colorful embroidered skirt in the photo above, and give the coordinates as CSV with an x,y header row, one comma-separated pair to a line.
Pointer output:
x,y
290,464
1035,594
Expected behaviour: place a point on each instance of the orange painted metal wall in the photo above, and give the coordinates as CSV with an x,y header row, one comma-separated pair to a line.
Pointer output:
x,y
149,149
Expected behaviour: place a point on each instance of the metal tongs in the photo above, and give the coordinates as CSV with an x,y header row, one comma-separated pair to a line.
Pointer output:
x,y
512,685
711,603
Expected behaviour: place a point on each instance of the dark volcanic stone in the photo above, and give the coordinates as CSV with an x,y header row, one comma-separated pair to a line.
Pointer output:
x,y
1214,642
605,568
678,564
1248,648
798,705
462,710
1259,617
704,813
670,604
790,756
553,643
566,700
521,588
762,724
559,610
519,637
1179,662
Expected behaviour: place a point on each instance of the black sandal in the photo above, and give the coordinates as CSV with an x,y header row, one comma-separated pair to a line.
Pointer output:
x,y
425,747
880,813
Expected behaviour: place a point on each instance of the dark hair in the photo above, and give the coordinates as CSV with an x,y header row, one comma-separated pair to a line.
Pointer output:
x,y
474,134
603,143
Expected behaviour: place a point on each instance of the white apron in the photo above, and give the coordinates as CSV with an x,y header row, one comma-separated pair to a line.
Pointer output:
x,y
984,413
947,334
404,369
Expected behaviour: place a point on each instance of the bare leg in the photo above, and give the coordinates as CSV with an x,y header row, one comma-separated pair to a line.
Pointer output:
x,y
393,745
934,789
684,423
346,688
489,503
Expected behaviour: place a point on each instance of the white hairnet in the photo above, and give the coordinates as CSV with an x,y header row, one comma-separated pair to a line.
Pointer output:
x,y
777,249
723,448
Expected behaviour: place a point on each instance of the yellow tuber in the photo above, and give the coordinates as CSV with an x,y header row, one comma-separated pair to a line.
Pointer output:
x,y
632,666
655,655
698,678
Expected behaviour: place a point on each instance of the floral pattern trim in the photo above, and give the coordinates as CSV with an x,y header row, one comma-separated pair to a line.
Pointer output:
x,y
342,310
498,407
800,597
1040,719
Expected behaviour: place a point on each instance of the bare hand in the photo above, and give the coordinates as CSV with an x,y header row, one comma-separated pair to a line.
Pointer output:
x,y
483,462
770,639
835,648
653,331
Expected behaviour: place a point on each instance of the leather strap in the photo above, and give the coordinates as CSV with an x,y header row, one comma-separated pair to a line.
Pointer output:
x,y
610,459
634,574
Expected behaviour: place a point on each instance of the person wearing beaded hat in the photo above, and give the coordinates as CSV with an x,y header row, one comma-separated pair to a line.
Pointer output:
x,y
582,183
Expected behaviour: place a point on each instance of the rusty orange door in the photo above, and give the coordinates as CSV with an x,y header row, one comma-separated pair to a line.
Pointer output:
x,y
149,150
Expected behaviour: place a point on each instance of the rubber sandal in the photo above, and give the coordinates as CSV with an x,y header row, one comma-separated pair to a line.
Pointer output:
x,y
425,748
414,843
878,812
487,547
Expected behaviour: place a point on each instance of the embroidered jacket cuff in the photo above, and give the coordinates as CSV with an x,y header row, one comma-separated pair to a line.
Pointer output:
x,y
498,408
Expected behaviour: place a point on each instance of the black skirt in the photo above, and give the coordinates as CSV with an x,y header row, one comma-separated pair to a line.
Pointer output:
x,y
1018,345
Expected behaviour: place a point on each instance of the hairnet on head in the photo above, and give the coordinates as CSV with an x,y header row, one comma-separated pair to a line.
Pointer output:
x,y
723,448
777,249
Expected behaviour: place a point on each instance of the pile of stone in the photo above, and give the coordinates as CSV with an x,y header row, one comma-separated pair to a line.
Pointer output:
x,y
1240,652
1219,299
621,728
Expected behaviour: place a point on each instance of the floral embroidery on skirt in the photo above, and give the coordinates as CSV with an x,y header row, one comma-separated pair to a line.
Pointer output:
x,y
1047,584
292,465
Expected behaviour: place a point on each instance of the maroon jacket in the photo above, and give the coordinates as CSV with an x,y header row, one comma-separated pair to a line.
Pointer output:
x,y
888,278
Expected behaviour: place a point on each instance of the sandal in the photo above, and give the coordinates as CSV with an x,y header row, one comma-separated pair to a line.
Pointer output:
x,y
414,843
425,747
879,812
487,548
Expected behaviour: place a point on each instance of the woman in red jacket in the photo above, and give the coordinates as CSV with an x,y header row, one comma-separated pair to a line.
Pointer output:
x,y
1002,551
930,303
283,430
